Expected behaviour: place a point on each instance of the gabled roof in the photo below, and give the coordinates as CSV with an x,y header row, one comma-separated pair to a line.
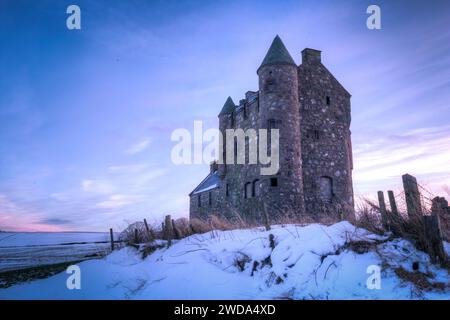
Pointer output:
x,y
228,107
277,54
212,181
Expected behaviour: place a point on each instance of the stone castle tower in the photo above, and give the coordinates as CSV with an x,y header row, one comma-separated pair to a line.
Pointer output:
x,y
311,109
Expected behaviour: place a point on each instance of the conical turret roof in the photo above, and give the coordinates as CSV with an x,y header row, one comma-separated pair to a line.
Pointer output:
x,y
277,54
228,107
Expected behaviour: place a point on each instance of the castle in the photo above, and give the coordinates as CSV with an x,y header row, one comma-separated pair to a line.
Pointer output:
x,y
311,109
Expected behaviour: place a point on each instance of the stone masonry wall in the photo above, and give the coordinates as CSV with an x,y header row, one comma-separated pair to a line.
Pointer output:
x,y
312,111
326,140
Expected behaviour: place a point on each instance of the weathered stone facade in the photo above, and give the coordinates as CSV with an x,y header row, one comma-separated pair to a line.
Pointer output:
x,y
312,112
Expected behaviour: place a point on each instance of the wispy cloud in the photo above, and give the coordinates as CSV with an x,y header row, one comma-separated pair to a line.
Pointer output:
x,y
127,169
423,152
138,147
97,186
14,217
118,201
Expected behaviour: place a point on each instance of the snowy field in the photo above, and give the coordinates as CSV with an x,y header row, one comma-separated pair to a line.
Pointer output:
x,y
21,249
309,262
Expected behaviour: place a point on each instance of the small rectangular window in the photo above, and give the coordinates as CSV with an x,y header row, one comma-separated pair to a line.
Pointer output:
x,y
209,198
274,182
227,190
328,100
313,134
199,201
271,124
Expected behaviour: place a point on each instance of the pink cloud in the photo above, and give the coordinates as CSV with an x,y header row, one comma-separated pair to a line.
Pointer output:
x,y
16,218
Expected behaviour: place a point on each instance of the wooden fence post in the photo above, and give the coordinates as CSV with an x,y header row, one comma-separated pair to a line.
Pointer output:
x,y
149,232
136,238
395,221
392,203
412,196
168,230
383,212
434,242
176,232
111,235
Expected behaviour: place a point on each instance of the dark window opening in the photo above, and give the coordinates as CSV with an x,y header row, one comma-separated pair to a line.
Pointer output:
x,y
210,198
269,85
255,188
227,190
232,120
326,189
247,190
199,201
273,124
235,150
328,100
313,134
245,113
274,182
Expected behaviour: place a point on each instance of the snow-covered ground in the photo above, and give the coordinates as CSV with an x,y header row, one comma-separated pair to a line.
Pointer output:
x,y
21,249
309,262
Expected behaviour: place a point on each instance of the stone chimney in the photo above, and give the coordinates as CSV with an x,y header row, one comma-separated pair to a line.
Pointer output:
x,y
311,56
213,166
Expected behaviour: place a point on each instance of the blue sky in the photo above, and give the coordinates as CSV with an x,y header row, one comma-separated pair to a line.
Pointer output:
x,y
86,115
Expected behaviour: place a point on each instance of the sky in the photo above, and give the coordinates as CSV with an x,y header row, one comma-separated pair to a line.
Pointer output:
x,y
86,115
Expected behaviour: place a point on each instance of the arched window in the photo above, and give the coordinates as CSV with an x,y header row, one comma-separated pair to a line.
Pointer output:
x,y
326,188
255,188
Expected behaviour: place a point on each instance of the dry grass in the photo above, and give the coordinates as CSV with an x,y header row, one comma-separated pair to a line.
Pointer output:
x,y
369,217
411,227
420,280
137,233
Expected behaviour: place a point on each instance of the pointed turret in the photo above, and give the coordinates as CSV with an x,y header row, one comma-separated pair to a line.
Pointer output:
x,y
277,54
228,107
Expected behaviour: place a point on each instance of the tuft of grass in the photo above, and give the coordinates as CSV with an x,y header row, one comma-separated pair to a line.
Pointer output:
x,y
419,280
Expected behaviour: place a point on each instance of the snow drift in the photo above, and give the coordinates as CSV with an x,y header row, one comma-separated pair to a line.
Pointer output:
x,y
287,262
